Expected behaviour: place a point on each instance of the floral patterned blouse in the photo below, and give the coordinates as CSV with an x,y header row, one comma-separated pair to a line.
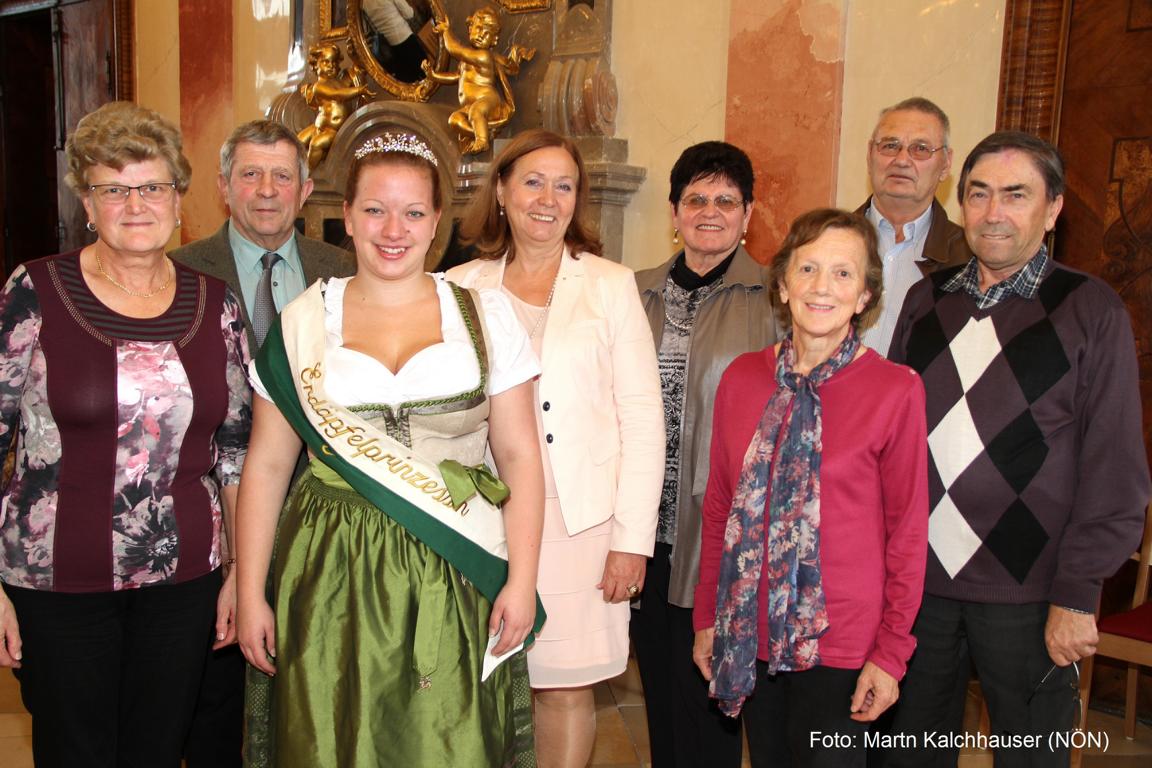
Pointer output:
x,y
124,430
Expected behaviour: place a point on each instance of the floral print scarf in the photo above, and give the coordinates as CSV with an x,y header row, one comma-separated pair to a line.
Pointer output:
x,y
781,473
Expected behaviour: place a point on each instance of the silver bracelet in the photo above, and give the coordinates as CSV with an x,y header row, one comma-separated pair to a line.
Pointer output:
x,y
1074,610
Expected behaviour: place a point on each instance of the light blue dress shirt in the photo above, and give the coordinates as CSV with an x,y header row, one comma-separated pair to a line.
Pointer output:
x,y
900,272
288,280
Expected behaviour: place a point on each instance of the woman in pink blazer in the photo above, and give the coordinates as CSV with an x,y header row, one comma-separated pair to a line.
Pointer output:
x,y
600,422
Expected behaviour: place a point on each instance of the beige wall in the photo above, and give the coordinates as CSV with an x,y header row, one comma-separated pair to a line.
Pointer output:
x,y
671,66
157,66
667,102
670,62
262,36
158,57
785,77
947,51
670,58
262,61
262,31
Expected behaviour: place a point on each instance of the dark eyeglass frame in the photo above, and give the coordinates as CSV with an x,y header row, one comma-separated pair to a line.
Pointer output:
x,y
917,150
152,192
725,203
1075,685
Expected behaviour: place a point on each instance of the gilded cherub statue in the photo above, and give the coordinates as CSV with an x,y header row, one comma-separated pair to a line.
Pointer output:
x,y
486,101
329,95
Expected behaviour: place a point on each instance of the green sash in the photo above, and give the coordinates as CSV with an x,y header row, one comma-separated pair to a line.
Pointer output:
x,y
403,486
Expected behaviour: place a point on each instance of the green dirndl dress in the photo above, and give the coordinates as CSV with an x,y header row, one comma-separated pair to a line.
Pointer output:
x,y
379,640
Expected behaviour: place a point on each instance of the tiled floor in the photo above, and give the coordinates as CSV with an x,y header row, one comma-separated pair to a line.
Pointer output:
x,y
15,725
621,725
622,734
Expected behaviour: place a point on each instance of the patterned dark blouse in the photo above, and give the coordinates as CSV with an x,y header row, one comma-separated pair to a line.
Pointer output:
x,y
124,430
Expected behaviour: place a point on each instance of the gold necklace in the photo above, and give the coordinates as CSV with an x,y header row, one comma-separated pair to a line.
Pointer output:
x,y
126,289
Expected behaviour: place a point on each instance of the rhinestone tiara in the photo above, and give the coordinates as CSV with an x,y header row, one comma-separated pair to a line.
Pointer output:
x,y
397,142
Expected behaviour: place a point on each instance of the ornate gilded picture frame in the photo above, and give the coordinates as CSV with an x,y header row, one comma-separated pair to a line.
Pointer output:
x,y
345,21
523,6
332,19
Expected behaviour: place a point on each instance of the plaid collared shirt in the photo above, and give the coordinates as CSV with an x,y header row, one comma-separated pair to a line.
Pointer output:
x,y
1024,283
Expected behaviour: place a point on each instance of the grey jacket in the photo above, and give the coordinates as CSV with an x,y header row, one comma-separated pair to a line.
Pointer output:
x,y
213,256
737,318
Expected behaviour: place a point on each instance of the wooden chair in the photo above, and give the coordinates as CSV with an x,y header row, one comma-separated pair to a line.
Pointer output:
x,y
1127,636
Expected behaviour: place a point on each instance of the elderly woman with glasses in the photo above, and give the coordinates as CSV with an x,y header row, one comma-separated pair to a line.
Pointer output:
x,y
815,529
706,305
122,382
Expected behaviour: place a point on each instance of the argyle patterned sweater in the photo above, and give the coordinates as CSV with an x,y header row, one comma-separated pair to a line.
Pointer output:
x,y
1038,477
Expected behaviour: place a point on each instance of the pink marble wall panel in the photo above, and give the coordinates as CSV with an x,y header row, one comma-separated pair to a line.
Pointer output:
x,y
206,109
785,77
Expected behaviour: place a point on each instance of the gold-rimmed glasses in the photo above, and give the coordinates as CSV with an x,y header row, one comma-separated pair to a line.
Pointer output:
x,y
917,150
698,202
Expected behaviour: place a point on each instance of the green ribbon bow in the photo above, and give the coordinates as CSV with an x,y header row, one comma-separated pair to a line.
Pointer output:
x,y
465,482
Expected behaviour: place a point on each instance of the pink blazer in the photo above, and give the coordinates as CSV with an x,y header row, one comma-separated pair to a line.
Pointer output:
x,y
600,400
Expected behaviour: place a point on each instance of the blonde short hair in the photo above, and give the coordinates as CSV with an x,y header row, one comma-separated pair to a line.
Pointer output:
x,y
118,134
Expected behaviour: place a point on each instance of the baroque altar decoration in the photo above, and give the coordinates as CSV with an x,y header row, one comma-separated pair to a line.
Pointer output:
x,y
484,91
330,95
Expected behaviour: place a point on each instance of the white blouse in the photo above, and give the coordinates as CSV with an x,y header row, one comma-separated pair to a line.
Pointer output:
x,y
439,370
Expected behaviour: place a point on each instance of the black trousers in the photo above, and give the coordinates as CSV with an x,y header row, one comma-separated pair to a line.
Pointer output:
x,y
1027,698
802,719
685,728
216,737
111,678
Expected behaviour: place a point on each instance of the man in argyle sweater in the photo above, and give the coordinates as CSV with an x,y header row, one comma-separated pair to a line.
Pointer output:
x,y
1037,474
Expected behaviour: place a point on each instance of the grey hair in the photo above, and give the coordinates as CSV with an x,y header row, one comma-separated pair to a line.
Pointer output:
x,y
118,134
920,104
265,133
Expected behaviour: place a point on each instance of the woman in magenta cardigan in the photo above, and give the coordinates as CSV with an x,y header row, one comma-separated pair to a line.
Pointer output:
x,y
816,514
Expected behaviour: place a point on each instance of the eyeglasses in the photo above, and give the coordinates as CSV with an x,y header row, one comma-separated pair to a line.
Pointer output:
x,y
1074,684
917,150
116,194
725,203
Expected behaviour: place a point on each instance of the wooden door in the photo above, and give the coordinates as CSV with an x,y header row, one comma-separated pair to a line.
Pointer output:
x,y
28,216
1079,72
1105,135
88,77
58,62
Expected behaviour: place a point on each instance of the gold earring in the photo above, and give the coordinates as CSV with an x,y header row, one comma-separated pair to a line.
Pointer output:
x,y
675,237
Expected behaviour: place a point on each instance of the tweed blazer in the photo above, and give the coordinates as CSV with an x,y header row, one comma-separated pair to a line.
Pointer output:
x,y
213,256
600,403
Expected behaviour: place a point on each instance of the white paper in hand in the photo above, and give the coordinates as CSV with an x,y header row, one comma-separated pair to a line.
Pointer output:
x,y
491,661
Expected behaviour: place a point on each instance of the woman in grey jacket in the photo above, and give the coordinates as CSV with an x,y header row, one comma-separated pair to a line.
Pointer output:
x,y
706,305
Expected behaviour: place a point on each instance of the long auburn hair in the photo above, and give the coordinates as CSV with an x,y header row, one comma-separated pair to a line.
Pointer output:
x,y
489,232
